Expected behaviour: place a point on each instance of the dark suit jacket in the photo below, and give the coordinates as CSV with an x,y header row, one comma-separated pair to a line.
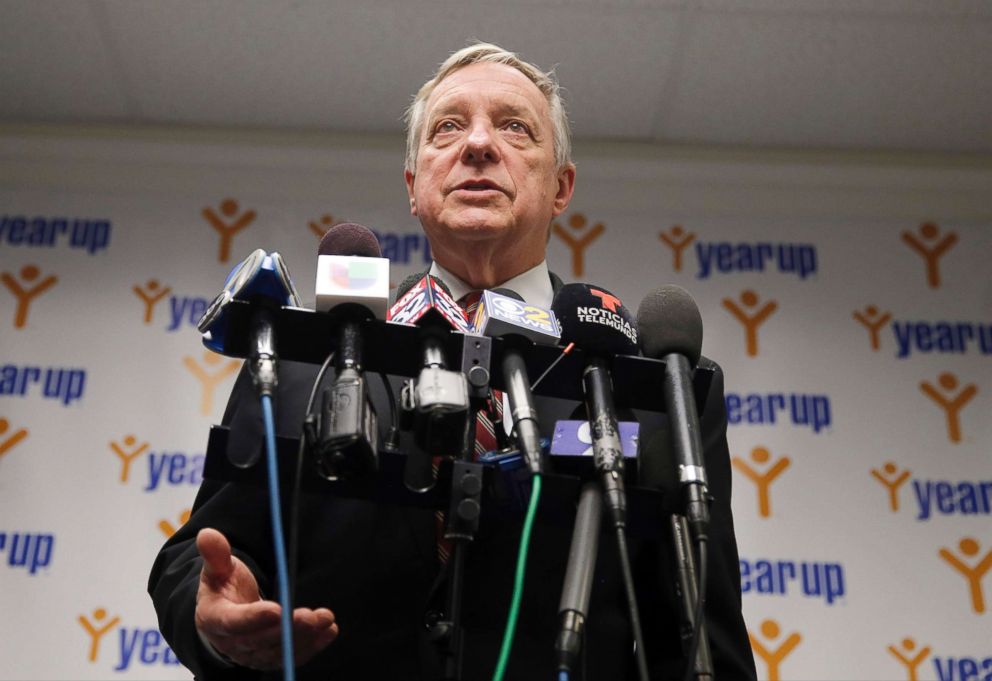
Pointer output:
x,y
375,567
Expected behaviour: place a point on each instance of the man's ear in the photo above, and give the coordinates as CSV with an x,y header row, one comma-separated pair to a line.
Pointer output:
x,y
408,176
566,185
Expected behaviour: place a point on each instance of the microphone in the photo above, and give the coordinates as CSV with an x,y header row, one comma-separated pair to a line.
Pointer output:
x,y
596,321
671,329
502,313
436,405
353,286
407,284
574,604
262,280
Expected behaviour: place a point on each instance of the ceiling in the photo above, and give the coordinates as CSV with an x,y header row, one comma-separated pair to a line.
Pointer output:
x,y
888,75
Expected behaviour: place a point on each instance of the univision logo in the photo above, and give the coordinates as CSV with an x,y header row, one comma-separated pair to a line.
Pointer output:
x,y
354,275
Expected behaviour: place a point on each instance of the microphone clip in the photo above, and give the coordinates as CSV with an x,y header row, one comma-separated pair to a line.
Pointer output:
x,y
348,441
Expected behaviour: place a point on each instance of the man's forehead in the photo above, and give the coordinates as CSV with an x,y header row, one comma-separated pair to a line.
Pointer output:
x,y
497,82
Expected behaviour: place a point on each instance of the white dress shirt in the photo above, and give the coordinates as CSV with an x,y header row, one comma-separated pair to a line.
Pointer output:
x,y
534,285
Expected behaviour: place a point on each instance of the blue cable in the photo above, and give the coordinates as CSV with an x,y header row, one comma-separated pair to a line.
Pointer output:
x,y
282,571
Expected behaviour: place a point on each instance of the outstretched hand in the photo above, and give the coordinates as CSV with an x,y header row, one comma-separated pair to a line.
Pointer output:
x,y
242,627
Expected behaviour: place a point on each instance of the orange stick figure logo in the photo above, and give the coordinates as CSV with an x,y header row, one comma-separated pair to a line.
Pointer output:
x,y
970,548
911,663
229,209
11,440
168,529
150,295
893,480
677,239
28,274
873,320
320,228
951,404
930,246
749,299
773,658
96,634
127,457
210,380
761,456
578,245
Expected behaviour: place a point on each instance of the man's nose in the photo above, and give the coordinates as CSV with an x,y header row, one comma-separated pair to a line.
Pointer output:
x,y
480,144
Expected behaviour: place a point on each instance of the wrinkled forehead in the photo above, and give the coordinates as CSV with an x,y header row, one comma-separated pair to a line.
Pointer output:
x,y
498,86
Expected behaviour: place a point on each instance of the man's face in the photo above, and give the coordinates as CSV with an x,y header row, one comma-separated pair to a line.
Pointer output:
x,y
485,164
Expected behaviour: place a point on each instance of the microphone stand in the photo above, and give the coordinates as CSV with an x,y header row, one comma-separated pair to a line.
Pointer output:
x,y
464,509
687,588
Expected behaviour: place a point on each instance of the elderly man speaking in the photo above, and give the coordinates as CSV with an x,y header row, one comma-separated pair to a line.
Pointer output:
x,y
488,167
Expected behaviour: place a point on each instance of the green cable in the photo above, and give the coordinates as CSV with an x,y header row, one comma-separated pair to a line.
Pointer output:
x,y
518,581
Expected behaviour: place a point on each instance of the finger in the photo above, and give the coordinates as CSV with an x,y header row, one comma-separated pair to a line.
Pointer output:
x,y
226,619
313,631
308,626
317,620
268,638
325,617
216,552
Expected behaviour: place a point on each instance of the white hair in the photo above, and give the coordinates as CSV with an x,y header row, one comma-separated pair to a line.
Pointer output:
x,y
491,54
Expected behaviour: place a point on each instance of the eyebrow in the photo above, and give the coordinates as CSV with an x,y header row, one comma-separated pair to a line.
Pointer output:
x,y
455,106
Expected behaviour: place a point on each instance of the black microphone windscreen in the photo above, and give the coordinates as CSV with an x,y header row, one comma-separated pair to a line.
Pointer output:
x,y
444,287
349,238
415,279
595,320
407,284
668,321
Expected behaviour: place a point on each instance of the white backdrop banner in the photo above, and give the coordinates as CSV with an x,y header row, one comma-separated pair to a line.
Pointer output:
x,y
848,302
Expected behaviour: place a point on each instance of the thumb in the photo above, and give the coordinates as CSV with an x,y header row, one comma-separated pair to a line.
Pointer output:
x,y
216,552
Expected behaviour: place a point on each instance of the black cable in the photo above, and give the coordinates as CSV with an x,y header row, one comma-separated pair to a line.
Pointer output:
x,y
635,618
393,434
294,509
698,617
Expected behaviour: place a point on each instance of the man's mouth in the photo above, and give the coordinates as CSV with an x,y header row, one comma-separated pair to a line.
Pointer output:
x,y
478,186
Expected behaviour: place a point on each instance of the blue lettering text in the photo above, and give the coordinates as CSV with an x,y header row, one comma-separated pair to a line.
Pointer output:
x,y
65,385
144,645
815,580
185,310
89,235
723,257
946,498
174,468
400,248
941,337
963,668
764,409
28,550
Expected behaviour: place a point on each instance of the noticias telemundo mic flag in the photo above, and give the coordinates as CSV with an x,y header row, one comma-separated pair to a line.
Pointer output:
x,y
352,279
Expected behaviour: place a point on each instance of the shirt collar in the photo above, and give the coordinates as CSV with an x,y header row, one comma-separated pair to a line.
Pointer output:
x,y
534,285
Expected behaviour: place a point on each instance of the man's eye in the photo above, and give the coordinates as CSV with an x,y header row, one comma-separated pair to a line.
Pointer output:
x,y
517,126
445,126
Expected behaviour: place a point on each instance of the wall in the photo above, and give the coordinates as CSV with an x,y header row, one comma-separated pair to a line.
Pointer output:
x,y
859,411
